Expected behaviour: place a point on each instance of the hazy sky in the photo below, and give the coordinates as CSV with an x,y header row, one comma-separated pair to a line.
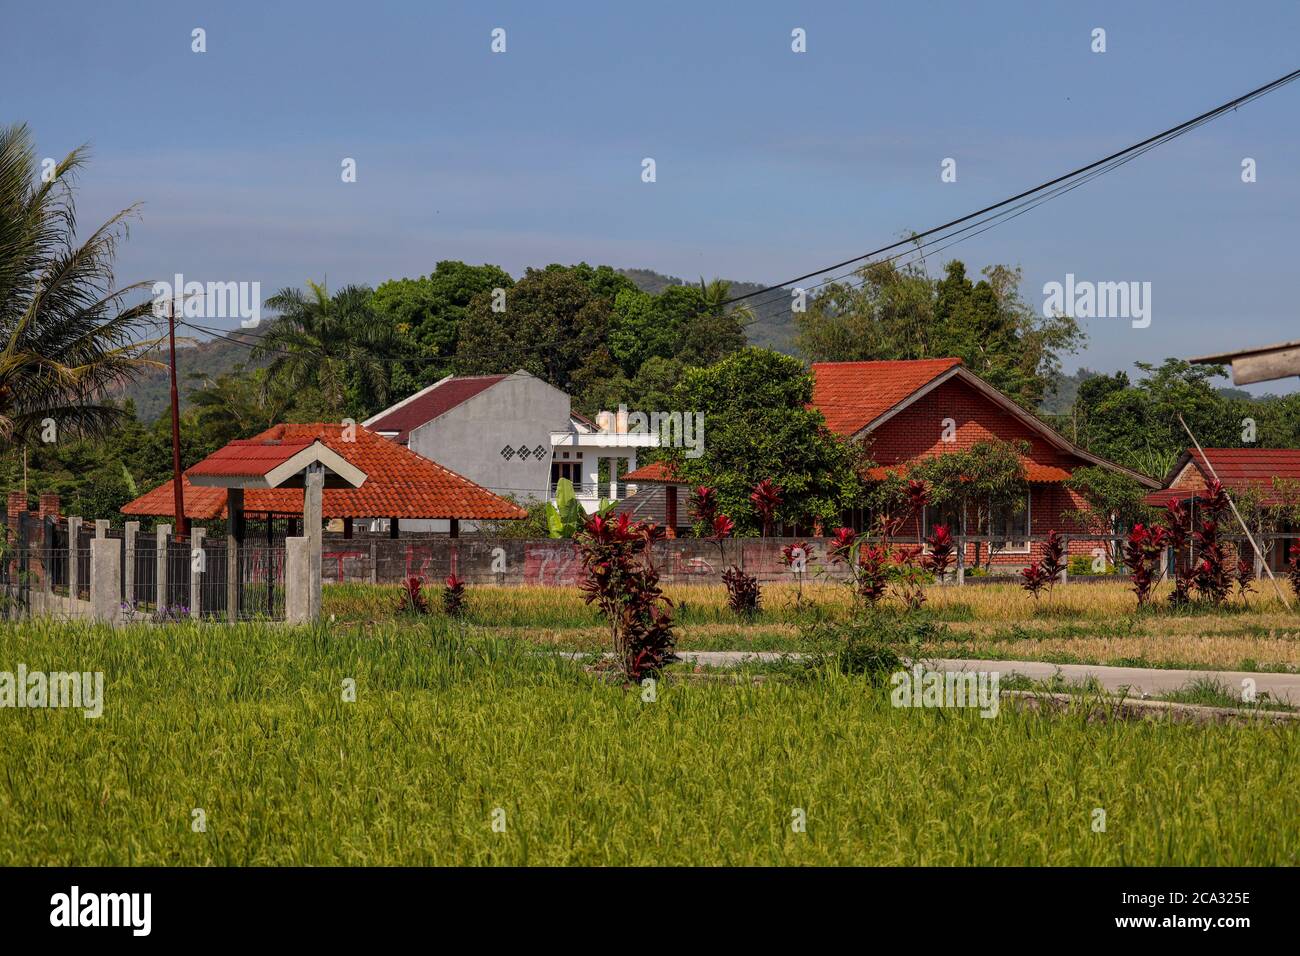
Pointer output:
x,y
769,163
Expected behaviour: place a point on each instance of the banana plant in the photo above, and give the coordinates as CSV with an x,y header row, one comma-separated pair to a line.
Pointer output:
x,y
566,516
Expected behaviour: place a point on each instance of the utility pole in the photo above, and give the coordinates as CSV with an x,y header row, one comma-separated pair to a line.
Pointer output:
x,y
178,490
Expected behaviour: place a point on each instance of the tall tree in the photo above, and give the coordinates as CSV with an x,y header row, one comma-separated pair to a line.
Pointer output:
x,y
66,332
425,315
320,341
1137,424
758,425
550,324
237,404
900,312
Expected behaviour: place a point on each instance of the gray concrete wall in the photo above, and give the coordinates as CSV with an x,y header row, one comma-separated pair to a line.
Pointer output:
x,y
518,412
545,561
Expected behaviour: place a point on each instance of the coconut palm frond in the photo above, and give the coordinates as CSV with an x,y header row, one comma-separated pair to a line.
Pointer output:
x,y
67,334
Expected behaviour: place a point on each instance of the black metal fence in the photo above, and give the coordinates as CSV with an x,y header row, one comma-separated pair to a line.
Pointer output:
x,y
261,581
144,575
82,557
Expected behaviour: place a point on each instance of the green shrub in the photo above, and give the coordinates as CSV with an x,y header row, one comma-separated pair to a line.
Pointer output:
x,y
872,645
1081,564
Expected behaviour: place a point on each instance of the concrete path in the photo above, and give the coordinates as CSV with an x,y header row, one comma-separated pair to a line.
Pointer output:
x,y
1138,681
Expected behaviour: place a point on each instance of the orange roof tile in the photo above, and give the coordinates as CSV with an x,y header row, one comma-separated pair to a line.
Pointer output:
x,y
248,459
851,395
655,471
399,484
1034,471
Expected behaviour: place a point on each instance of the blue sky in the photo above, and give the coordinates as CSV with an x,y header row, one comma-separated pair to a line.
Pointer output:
x,y
769,163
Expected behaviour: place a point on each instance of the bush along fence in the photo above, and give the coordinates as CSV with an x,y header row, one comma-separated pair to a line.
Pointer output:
x,y
66,567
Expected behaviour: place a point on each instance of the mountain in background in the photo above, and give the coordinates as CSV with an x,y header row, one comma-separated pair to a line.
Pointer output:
x,y
151,392
773,327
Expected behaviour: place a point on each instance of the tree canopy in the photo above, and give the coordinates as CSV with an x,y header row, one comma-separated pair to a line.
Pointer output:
x,y
758,425
900,312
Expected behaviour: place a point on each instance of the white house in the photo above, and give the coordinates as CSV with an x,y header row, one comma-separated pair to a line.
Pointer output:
x,y
515,435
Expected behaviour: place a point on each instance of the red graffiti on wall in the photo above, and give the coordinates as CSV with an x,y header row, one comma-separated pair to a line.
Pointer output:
x,y
341,556
681,561
417,561
552,565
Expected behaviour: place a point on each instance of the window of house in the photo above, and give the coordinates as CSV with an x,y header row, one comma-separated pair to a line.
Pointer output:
x,y
566,469
1011,523
947,514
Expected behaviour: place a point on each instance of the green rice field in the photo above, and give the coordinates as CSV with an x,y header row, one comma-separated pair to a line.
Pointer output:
x,y
464,747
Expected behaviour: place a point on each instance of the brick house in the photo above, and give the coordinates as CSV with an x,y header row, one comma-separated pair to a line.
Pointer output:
x,y
902,411
906,411
1271,473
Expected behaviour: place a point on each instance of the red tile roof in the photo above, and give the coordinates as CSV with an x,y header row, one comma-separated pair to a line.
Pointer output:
x,y
1034,471
851,395
425,406
656,471
1238,469
399,484
247,458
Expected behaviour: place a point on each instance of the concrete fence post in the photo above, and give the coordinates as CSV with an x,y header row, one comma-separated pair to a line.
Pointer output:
x,y
234,542
74,539
163,532
101,527
297,558
1065,571
198,564
129,532
106,580
313,499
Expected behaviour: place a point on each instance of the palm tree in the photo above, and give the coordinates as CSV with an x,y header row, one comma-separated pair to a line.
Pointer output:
x,y
717,329
237,405
715,295
66,334
324,341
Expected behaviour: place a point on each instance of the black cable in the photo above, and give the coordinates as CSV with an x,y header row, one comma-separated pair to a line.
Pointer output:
x,y
1170,133
924,249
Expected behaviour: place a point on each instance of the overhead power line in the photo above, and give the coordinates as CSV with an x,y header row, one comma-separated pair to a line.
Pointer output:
x,y
1150,142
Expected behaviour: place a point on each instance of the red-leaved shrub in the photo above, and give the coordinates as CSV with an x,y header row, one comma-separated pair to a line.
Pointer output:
x,y
413,600
766,498
1142,553
1033,579
943,551
622,581
453,596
